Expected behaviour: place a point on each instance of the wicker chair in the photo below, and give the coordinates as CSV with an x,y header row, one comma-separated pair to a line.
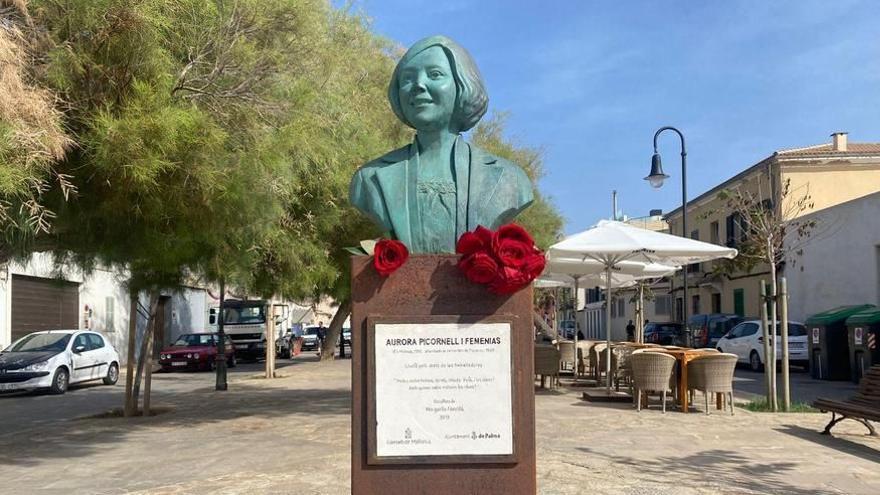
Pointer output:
x,y
651,372
595,352
547,363
602,355
583,351
713,374
566,356
620,364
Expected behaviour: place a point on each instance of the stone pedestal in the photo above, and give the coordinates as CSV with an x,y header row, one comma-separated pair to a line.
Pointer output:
x,y
431,288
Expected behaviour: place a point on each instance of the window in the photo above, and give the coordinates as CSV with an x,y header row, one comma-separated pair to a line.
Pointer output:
x,y
109,314
750,329
212,316
714,233
739,302
695,305
95,340
81,341
614,308
621,307
716,303
661,305
735,233
679,309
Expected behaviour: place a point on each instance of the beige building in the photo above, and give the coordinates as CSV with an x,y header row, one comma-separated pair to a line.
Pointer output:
x,y
831,174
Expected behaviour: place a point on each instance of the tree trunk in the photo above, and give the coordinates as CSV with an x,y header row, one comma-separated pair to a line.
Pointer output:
x,y
220,383
335,330
773,332
129,364
154,302
766,336
783,305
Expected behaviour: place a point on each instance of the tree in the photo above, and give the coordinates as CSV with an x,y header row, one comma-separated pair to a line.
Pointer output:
x,y
773,228
32,138
215,139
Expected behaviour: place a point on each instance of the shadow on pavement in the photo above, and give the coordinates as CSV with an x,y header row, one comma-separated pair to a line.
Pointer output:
x,y
837,443
718,467
85,436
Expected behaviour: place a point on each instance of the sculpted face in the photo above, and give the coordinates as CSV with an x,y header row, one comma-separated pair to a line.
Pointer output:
x,y
427,90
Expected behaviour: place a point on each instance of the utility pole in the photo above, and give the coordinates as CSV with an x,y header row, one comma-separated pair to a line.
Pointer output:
x,y
614,205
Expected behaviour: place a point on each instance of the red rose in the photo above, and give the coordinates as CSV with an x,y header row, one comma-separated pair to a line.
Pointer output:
x,y
514,232
512,245
479,267
534,264
471,242
389,255
509,280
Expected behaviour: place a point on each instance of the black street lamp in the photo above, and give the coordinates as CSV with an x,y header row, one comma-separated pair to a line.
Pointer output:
x,y
656,178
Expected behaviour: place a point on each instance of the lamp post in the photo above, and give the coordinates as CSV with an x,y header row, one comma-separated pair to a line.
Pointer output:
x,y
656,178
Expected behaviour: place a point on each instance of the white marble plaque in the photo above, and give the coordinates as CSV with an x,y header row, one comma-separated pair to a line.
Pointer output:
x,y
443,389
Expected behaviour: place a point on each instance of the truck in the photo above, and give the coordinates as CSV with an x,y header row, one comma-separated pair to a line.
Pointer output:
x,y
245,324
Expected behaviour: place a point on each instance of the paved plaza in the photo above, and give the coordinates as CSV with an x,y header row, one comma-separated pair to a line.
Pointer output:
x,y
291,435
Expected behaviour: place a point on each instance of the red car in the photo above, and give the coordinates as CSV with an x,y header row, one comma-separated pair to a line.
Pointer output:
x,y
195,351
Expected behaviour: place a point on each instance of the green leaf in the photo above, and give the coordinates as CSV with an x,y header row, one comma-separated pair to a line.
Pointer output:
x,y
357,251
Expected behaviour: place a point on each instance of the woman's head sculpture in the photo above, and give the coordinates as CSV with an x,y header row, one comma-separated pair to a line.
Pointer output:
x,y
430,192
471,99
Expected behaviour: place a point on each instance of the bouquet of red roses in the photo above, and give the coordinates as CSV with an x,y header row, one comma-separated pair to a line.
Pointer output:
x,y
506,260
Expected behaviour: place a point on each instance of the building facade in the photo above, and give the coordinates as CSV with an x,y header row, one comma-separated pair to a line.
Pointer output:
x,y
830,174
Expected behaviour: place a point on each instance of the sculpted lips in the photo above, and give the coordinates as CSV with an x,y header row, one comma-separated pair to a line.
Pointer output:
x,y
420,102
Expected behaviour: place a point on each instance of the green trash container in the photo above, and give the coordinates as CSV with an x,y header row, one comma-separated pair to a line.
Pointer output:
x,y
828,343
864,341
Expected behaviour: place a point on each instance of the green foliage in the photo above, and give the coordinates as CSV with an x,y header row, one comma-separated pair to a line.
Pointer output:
x,y
761,405
541,219
217,139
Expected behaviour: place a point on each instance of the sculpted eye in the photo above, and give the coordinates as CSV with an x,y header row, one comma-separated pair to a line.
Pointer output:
x,y
435,74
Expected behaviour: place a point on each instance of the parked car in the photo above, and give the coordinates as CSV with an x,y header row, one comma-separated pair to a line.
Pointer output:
x,y
706,329
346,336
747,342
55,359
310,338
665,333
567,329
196,351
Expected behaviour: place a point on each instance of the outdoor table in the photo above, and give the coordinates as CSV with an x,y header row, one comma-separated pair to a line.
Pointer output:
x,y
684,356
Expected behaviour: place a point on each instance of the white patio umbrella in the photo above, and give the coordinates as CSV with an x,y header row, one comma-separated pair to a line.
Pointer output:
x,y
612,243
569,271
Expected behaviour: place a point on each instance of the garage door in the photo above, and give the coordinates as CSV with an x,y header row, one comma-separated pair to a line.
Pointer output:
x,y
43,304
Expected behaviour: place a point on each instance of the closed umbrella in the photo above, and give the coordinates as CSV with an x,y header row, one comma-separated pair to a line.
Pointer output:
x,y
612,243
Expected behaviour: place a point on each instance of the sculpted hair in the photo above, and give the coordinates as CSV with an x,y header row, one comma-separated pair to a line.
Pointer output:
x,y
471,100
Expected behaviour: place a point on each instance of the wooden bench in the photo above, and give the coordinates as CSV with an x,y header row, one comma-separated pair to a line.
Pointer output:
x,y
862,407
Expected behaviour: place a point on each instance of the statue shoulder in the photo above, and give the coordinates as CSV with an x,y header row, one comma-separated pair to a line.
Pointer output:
x,y
511,169
390,158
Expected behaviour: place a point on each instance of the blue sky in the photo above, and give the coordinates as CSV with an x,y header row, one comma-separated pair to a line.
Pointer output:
x,y
590,82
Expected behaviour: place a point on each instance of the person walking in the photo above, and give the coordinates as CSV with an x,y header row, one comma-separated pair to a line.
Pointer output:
x,y
630,331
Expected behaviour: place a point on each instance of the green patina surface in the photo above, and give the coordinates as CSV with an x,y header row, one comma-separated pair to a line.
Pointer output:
x,y
430,192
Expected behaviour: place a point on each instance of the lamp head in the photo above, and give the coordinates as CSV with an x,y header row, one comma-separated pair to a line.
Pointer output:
x,y
657,176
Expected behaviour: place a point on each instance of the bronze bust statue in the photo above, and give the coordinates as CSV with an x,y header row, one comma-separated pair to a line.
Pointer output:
x,y
428,193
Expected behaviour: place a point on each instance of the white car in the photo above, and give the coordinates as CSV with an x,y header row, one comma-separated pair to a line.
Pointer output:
x,y
55,359
747,342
